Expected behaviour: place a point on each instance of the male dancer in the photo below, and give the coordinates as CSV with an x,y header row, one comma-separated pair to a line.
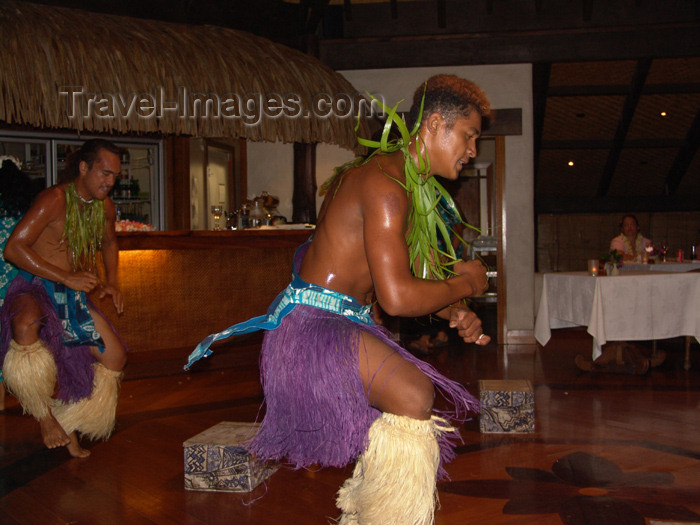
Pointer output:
x,y
60,356
337,387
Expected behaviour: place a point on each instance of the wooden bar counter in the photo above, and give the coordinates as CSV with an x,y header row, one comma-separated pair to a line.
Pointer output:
x,y
180,286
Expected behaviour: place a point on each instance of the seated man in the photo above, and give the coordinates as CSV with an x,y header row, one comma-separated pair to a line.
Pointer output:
x,y
623,357
60,356
630,243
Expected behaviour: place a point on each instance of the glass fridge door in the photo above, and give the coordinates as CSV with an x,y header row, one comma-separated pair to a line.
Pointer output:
x,y
33,156
138,193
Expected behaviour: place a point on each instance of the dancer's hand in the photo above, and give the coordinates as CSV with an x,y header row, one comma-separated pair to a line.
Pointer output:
x,y
476,270
82,281
468,325
117,298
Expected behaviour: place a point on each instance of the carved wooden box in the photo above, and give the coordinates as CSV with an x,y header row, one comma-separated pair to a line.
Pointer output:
x,y
507,406
217,460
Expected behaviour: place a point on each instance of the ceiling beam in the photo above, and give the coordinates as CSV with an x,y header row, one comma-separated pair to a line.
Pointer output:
x,y
631,101
311,13
441,14
564,45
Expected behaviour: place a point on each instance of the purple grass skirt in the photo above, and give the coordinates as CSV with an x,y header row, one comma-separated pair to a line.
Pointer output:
x,y
73,363
317,412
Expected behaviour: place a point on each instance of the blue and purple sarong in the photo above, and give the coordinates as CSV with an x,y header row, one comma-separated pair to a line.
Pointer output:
x,y
68,330
317,411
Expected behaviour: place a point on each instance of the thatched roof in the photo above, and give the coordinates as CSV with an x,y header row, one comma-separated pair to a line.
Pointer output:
x,y
46,50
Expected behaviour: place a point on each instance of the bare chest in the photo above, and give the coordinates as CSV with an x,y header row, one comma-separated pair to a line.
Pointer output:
x,y
50,247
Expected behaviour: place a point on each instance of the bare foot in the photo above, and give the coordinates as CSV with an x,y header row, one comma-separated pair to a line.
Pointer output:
x,y
52,433
75,449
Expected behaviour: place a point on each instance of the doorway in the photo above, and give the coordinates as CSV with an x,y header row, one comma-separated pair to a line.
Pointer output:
x,y
215,182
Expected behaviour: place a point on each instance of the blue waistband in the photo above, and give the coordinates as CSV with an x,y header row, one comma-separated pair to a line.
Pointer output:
x,y
298,292
301,292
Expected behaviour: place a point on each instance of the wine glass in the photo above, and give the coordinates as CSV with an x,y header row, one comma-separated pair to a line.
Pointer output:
x,y
217,212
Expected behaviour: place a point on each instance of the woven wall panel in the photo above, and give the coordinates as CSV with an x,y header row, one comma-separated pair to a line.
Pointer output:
x,y
556,177
614,72
679,69
642,172
648,123
175,298
582,118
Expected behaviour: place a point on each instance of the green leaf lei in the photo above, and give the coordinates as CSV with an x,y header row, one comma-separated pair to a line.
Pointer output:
x,y
424,220
83,230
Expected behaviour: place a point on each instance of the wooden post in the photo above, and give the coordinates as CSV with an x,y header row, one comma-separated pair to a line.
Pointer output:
x,y
177,184
304,196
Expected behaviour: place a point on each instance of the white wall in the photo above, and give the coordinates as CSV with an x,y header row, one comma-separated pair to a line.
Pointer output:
x,y
270,168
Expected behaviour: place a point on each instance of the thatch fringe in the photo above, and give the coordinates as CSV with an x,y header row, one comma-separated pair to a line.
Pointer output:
x,y
46,49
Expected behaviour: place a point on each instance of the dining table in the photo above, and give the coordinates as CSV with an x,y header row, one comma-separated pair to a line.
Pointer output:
x,y
668,266
631,306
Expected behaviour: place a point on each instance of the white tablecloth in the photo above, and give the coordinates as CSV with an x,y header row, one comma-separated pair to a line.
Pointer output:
x,y
632,306
662,267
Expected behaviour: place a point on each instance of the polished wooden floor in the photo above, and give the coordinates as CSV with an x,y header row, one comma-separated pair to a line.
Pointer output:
x,y
608,449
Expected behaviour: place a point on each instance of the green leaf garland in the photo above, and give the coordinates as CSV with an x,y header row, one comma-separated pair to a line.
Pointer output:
x,y
83,229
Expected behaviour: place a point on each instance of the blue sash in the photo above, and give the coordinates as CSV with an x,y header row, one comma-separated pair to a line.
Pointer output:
x,y
71,306
298,292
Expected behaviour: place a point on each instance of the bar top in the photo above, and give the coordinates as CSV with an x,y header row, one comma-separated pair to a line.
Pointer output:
x,y
205,239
